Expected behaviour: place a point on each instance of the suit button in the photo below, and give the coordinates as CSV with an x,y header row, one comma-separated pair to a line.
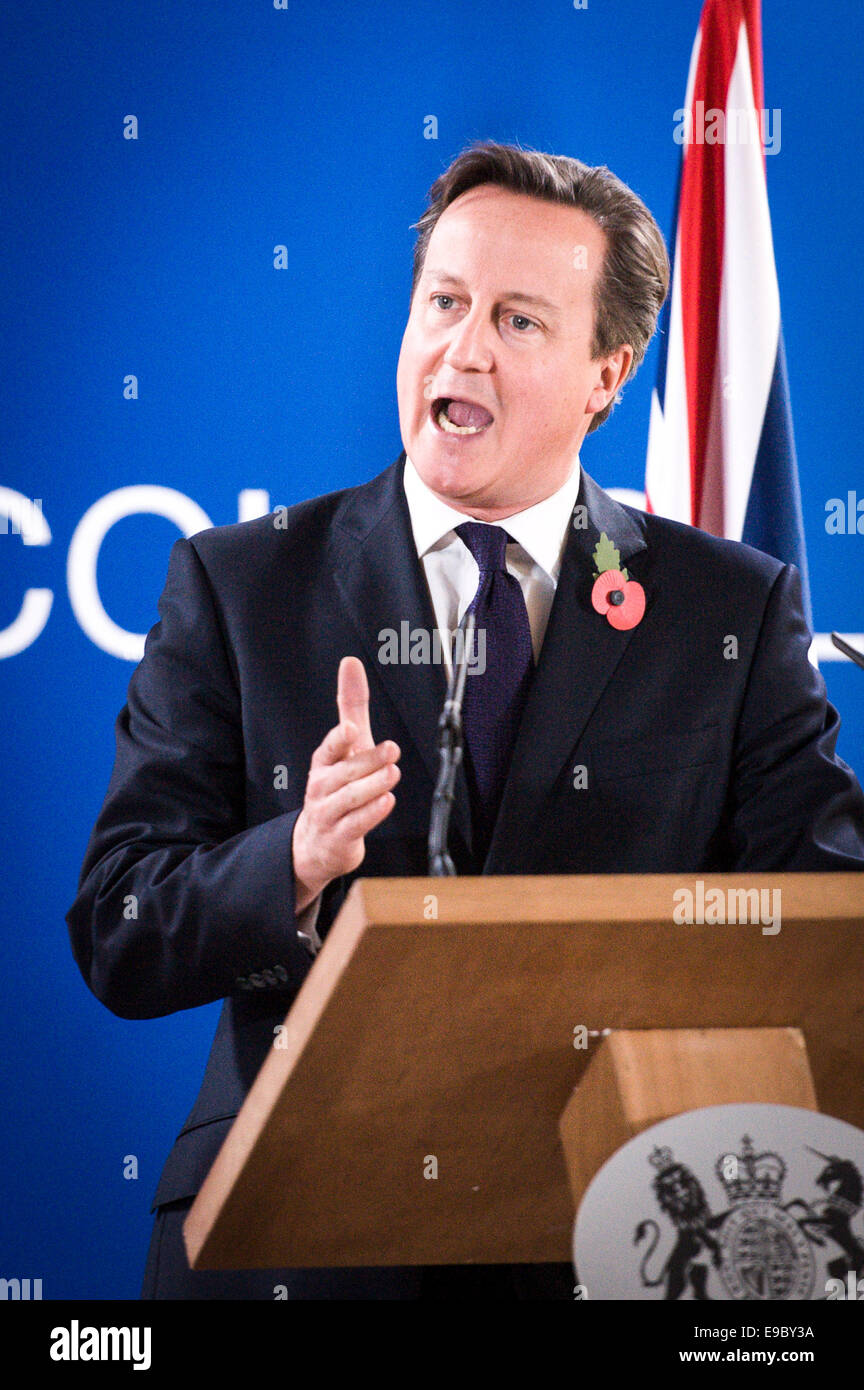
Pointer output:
x,y
242,982
281,973
269,977
257,981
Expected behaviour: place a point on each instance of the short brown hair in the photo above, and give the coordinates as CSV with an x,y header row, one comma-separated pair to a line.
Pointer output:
x,y
634,278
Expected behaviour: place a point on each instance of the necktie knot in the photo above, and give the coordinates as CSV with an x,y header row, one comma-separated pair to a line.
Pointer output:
x,y
488,545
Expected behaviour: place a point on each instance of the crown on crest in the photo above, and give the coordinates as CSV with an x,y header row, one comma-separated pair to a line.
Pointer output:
x,y
749,1175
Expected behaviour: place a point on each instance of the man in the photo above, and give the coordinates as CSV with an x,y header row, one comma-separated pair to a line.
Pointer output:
x,y
604,735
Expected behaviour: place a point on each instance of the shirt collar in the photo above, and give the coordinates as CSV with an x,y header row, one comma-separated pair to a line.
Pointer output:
x,y
540,530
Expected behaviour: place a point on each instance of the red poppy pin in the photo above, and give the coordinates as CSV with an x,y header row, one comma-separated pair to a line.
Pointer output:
x,y
620,598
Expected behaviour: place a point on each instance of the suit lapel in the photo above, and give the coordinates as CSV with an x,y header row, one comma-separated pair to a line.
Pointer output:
x,y
382,585
579,655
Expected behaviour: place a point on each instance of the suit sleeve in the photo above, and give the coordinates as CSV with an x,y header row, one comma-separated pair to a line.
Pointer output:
x,y
179,901
795,804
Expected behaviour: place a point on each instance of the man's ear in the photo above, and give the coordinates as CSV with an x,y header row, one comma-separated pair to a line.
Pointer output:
x,y
612,375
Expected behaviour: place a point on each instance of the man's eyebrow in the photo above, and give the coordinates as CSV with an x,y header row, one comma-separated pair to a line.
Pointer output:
x,y
442,277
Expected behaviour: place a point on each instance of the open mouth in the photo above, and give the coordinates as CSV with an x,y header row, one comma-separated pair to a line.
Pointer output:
x,y
453,416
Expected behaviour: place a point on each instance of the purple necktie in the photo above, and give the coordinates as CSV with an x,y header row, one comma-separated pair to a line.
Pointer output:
x,y
494,697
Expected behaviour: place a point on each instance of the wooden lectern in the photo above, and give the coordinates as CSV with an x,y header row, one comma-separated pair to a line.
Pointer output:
x,y
430,1098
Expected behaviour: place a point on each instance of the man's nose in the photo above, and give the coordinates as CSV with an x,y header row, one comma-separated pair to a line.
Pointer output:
x,y
470,346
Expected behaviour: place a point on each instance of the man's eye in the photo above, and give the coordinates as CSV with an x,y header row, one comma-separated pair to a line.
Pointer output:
x,y
448,297
521,322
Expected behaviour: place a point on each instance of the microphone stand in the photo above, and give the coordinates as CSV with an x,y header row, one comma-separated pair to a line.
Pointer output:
x,y
846,649
450,748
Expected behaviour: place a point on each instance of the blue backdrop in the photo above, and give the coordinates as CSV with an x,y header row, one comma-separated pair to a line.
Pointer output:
x,y
153,258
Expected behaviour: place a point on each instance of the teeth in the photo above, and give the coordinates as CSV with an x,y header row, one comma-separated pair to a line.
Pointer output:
x,y
450,428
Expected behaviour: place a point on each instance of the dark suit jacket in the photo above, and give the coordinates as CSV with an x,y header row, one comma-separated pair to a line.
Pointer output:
x,y
696,760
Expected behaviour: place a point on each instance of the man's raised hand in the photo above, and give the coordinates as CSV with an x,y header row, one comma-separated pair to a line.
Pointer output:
x,y
348,791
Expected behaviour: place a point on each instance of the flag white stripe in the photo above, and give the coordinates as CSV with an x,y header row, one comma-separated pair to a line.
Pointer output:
x,y
749,326
667,471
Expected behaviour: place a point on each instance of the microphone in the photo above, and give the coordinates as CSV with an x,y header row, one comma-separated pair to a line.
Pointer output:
x,y
450,748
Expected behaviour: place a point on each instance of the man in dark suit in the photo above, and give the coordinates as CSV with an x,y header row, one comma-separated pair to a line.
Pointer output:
x,y
688,733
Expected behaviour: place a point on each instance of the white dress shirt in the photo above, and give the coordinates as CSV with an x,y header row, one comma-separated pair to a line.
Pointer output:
x,y
452,575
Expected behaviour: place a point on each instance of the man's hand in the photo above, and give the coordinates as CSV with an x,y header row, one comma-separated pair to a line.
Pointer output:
x,y
347,791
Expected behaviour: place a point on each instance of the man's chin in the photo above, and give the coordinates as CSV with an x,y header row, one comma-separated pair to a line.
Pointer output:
x,y
457,463
452,479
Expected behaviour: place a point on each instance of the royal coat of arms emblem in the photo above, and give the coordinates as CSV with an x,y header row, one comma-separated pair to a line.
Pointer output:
x,y
755,1243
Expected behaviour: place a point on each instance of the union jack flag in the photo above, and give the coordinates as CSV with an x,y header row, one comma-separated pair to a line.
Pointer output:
x,y
721,452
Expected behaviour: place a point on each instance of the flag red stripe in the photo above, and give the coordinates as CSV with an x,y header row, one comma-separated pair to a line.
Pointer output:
x,y
752,16
701,220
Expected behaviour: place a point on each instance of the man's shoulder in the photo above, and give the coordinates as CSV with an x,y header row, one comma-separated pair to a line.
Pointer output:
x,y
676,550
679,548
305,529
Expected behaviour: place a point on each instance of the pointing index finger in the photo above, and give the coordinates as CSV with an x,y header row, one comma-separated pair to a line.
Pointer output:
x,y
352,697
